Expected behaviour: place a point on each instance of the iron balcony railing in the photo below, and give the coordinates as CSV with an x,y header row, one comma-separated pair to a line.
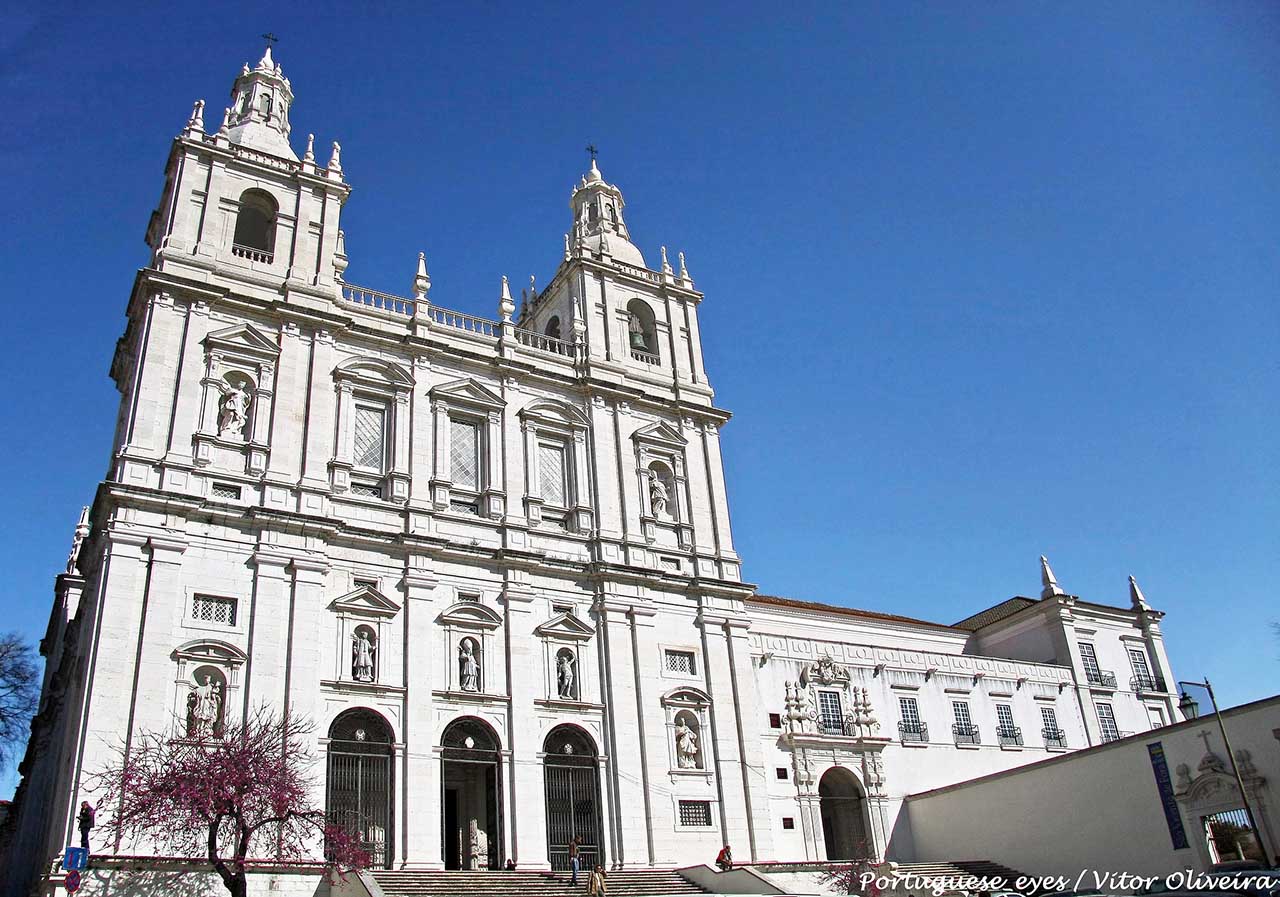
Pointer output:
x,y
1146,682
1113,735
913,731
965,734
1009,735
1101,678
1054,738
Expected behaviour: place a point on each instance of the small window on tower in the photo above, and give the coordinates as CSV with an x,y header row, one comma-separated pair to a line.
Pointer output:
x,y
255,235
553,327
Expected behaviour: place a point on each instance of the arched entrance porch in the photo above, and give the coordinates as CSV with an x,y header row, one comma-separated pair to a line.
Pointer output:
x,y
843,809
571,771
359,781
471,792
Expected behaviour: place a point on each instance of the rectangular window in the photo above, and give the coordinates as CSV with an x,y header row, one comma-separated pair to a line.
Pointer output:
x,y
695,813
1004,716
1155,716
1049,717
1142,678
830,713
788,822
910,710
775,720
1107,720
910,727
551,474
961,710
781,773
225,490
464,454
369,440
1006,732
963,729
1090,660
212,609
1053,736
681,662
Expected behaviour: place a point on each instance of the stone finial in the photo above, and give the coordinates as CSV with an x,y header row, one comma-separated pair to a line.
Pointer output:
x,y
226,122
196,122
335,159
1048,581
506,305
311,149
566,247
266,63
666,266
81,532
340,261
421,280
593,175
1136,598
684,272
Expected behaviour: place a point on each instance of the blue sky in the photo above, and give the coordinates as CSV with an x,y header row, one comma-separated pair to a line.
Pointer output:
x,y
983,281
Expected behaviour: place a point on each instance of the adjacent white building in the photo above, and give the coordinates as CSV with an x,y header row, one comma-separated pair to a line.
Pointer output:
x,y
493,560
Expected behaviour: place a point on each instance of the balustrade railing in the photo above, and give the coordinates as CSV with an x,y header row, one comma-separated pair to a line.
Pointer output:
x,y
544,343
1101,678
252,254
909,731
965,734
377,300
467,323
277,162
1054,738
1145,682
645,357
1009,735
642,273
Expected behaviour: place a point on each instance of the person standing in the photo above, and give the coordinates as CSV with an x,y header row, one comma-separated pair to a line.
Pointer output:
x,y
574,862
86,823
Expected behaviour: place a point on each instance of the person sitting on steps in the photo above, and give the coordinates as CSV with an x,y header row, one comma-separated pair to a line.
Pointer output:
x,y
724,859
596,885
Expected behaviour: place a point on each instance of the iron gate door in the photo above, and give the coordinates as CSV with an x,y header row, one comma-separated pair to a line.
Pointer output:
x,y
359,801
573,809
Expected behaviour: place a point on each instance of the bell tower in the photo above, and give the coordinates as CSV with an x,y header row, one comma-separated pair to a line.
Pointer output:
x,y
258,116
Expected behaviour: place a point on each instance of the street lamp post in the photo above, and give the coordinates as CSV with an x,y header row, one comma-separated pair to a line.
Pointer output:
x,y
1187,704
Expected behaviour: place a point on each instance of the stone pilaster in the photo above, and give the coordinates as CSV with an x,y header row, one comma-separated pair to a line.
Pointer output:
x,y
421,767
526,827
618,686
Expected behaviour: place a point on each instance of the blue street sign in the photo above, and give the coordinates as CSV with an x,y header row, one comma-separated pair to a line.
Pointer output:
x,y
75,859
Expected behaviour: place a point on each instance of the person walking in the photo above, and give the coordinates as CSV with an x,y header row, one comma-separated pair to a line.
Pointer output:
x,y
574,861
596,885
85,819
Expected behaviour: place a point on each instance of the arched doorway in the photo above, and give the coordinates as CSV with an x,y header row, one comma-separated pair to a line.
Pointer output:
x,y
570,767
471,785
359,782
844,830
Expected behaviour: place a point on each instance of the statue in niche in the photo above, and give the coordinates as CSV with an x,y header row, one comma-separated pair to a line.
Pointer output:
x,y
204,713
469,666
658,496
362,656
636,328
233,411
686,746
564,675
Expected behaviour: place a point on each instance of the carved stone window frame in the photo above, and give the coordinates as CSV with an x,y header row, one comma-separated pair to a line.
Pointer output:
x,y
546,420
660,441
561,632
468,400
363,606
376,382
240,352
471,619
692,700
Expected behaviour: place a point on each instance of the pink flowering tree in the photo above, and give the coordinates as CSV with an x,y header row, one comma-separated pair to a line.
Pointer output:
x,y
230,800
852,878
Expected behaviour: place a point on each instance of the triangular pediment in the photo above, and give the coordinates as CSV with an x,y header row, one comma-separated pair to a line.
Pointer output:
x,y
565,626
374,371
470,615
243,339
468,392
365,601
660,432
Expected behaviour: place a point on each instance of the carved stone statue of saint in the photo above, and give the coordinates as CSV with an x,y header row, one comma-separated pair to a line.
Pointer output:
x,y
636,328
362,657
686,746
479,844
564,676
205,713
658,497
468,667
233,411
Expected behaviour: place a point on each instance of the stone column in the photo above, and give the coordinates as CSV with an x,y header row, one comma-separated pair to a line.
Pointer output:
x,y
148,709
618,687
526,815
420,777
746,713
303,673
269,636
736,824
290,405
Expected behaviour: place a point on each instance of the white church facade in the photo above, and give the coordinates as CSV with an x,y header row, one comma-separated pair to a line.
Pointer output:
x,y
493,561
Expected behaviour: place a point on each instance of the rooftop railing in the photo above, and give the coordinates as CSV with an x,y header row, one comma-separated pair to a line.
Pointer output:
x,y
544,343
467,323
377,300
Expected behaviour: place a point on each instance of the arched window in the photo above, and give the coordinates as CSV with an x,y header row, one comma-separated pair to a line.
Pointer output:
x,y
641,331
553,327
593,213
360,781
266,105
573,797
255,236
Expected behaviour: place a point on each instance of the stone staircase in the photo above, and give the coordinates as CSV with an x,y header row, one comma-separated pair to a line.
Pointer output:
x,y
623,883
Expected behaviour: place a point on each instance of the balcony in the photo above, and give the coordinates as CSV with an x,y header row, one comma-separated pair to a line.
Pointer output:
x,y
913,732
252,254
1101,678
1009,736
1054,738
1113,735
965,734
1147,682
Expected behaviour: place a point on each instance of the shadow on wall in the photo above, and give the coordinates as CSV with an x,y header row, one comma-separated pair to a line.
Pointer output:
x,y
902,847
178,883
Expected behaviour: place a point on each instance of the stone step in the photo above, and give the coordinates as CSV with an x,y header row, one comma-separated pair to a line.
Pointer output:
x,y
530,883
